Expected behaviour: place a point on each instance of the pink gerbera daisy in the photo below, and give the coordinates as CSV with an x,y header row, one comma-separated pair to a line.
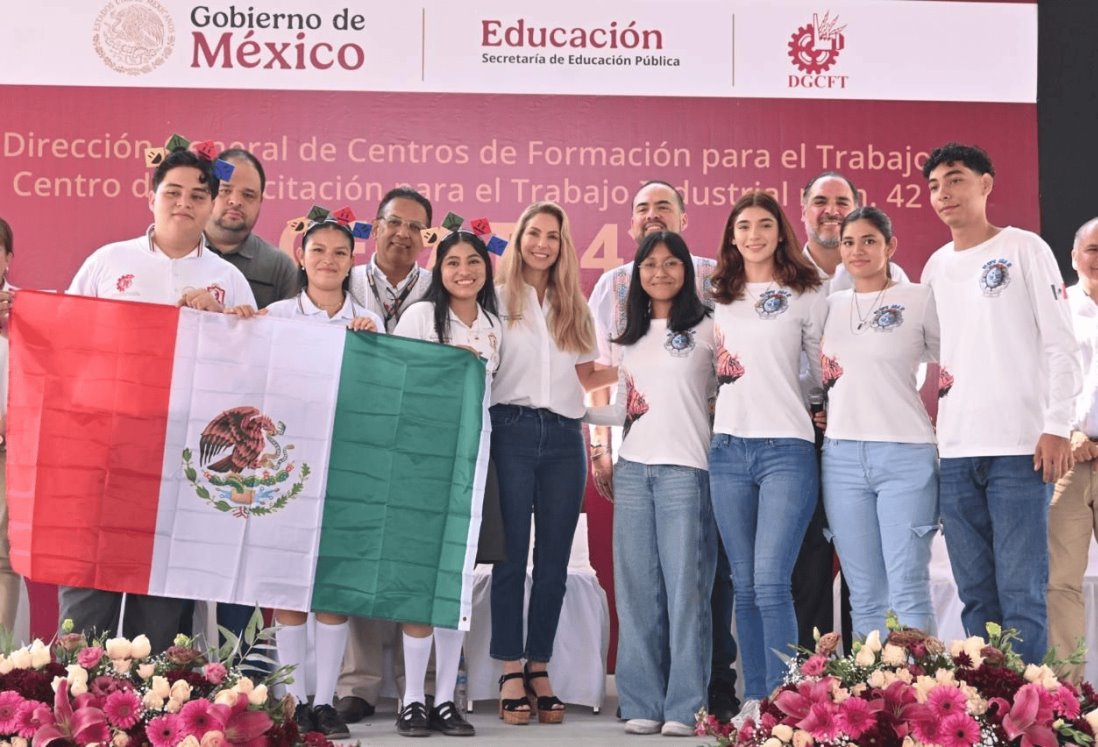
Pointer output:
x,y
123,709
855,717
959,730
9,711
945,700
163,731
196,719
31,717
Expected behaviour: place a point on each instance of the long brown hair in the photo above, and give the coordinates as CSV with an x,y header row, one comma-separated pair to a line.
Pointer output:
x,y
791,270
569,320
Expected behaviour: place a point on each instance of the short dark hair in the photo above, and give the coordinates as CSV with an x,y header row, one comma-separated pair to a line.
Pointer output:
x,y
408,194
829,175
439,297
662,183
972,156
245,155
7,238
686,308
302,276
185,158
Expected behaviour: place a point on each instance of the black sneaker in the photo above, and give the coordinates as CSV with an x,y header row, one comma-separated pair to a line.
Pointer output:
x,y
303,715
412,721
723,702
353,708
448,719
330,723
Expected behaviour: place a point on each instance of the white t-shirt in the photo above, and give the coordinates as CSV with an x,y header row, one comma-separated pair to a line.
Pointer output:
x,y
483,336
607,303
1010,363
869,367
136,270
759,341
533,371
302,307
664,386
1084,314
372,290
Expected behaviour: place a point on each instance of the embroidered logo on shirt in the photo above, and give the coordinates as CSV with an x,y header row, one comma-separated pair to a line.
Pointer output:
x,y
729,368
995,276
772,303
123,283
636,404
620,290
945,382
217,292
830,369
679,344
887,318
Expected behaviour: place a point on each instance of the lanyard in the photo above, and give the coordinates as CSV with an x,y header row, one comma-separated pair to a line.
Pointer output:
x,y
398,301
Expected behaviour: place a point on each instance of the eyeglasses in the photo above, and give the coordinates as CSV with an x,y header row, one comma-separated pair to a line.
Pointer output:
x,y
668,265
394,222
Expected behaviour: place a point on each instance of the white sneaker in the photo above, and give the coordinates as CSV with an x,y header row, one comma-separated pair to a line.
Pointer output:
x,y
750,710
642,726
677,729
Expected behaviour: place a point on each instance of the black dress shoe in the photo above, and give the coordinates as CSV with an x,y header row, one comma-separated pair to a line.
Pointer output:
x,y
413,722
303,715
353,708
329,723
448,719
723,703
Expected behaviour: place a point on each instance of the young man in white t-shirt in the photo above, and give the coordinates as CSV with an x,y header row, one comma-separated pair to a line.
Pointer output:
x,y
1009,379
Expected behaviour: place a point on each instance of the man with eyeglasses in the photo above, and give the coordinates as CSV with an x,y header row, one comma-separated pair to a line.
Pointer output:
x,y
392,281
387,285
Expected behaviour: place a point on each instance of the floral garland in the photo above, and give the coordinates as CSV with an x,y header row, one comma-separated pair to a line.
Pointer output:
x,y
914,691
116,692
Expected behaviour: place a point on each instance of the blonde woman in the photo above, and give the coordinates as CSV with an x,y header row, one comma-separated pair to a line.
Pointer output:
x,y
537,444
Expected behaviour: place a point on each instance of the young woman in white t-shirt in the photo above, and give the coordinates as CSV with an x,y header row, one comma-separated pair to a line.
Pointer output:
x,y
538,448
880,462
458,309
763,473
324,259
665,543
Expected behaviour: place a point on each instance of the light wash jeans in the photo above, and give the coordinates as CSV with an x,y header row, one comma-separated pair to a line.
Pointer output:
x,y
665,554
995,519
764,492
882,508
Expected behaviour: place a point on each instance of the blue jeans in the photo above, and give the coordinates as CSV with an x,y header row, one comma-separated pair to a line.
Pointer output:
x,y
541,464
665,549
995,519
722,675
882,508
764,492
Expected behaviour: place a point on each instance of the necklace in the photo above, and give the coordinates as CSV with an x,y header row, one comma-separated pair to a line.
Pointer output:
x,y
769,287
322,306
855,309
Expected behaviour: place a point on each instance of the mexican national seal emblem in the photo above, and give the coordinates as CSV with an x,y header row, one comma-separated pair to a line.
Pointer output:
x,y
244,467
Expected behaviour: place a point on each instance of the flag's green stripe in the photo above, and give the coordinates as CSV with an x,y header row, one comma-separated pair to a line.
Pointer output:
x,y
400,480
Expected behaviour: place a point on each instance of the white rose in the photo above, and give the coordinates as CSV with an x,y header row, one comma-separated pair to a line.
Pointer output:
x,y
243,685
161,687
77,673
56,683
226,697
174,705
140,647
1092,719
152,701
121,739
122,666
5,665
877,679
258,696
20,659
180,691
78,688
783,732
118,648
40,654
19,742
190,741
146,670
873,641
772,742
893,656
865,657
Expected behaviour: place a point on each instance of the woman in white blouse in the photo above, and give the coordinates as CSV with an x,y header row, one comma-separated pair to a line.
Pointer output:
x,y
665,543
880,463
458,309
538,448
763,473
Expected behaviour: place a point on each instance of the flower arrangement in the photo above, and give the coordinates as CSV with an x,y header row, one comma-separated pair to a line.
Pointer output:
x,y
912,690
114,691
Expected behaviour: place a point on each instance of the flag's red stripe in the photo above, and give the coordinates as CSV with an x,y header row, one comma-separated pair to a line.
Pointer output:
x,y
87,415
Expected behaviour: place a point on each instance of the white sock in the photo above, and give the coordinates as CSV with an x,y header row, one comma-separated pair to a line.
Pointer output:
x,y
290,642
417,652
331,643
447,659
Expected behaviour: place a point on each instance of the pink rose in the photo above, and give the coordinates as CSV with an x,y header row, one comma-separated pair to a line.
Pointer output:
x,y
814,666
89,657
213,739
214,673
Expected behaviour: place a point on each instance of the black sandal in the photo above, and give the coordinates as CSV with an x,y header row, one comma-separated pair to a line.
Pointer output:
x,y
550,708
513,710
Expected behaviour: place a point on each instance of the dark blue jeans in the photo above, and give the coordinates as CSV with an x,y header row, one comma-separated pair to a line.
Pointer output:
x,y
541,464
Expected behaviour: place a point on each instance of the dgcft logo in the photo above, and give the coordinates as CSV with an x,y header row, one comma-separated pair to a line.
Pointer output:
x,y
133,36
814,48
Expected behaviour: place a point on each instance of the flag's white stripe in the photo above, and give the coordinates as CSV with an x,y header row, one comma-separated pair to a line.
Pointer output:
x,y
289,370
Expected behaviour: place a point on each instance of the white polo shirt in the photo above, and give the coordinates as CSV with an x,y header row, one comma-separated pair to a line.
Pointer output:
x,y
483,335
533,371
137,270
302,307
1084,314
373,291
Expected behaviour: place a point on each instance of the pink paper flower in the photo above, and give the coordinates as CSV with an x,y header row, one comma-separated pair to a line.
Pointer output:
x,y
123,709
945,700
959,730
814,666
855,717
89,657
214,672
163,731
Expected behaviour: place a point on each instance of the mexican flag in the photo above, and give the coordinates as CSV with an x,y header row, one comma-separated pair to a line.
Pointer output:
x,y
275,462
